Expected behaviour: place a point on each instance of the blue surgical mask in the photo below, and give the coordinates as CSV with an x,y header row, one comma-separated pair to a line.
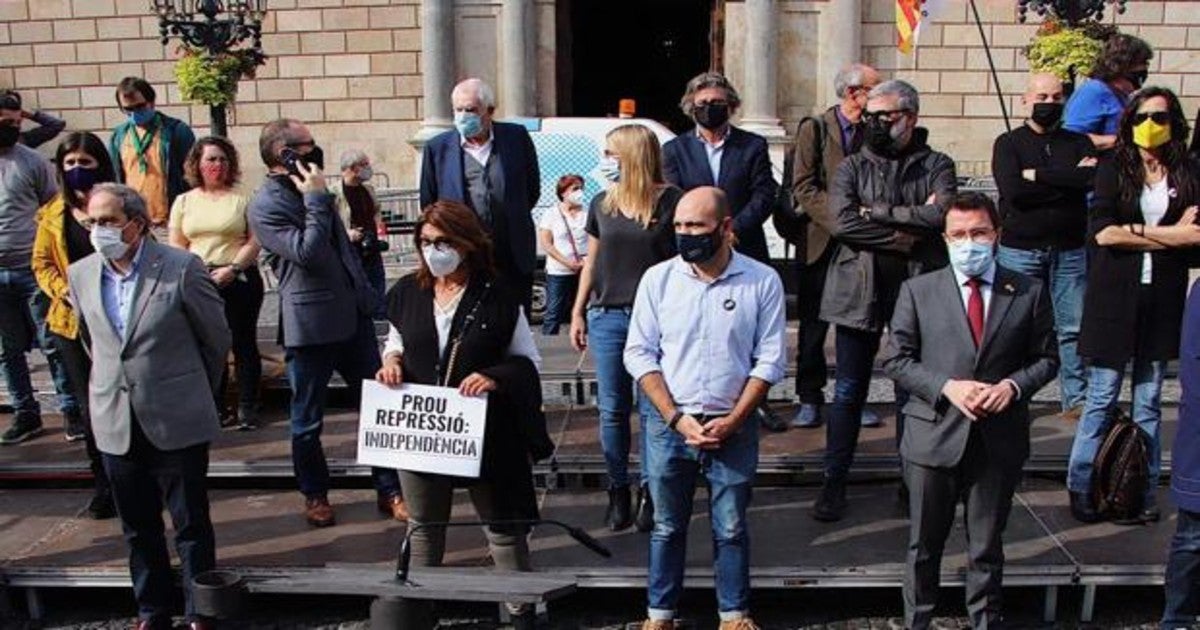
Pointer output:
x,y
142,117
971,259
610,169
469,124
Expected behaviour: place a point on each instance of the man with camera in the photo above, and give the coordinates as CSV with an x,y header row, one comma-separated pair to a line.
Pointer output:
x,y
358,207
320,279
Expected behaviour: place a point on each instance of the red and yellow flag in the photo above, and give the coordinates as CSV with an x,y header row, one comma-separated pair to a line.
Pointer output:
x,y
908,20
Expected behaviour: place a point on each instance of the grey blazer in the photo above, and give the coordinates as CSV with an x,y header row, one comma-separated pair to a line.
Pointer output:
x,y
323,291
930,342
166,368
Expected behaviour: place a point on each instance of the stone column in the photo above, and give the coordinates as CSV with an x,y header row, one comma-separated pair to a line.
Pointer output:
x,y
437,71
760,98
518,69
841,44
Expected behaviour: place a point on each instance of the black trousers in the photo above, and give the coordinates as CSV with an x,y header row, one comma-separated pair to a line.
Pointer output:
x,y
985,486
812,370
78,366
243,301
143,480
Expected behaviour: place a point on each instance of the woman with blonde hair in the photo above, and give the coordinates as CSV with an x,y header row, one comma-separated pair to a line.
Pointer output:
x,y
629,230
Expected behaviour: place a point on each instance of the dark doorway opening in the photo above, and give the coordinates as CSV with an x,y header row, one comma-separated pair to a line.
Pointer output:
x,y
644,50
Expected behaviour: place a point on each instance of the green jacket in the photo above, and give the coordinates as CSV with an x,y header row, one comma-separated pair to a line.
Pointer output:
x,y
177,140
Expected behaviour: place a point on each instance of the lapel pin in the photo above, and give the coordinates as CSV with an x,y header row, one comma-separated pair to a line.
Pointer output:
x,y
1009,288
729,304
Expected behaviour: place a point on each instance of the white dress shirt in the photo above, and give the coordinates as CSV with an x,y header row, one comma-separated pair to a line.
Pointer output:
x,y
985,289
708,338
479,152
714,150
1155,200
443,317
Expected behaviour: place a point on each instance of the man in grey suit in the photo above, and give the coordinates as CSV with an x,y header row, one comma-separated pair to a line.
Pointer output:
x,y
156,328
992,346
325,304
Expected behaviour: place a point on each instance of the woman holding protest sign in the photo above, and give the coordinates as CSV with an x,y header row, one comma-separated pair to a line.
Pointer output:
x,y
452,324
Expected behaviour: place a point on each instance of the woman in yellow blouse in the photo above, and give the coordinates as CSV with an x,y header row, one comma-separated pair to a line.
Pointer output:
x,y
210,221
81,162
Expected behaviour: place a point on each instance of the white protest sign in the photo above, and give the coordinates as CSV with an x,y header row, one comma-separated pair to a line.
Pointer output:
x,y
422,428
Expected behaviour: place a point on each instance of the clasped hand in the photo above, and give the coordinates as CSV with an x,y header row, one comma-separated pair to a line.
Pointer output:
x,y
976,399
706,437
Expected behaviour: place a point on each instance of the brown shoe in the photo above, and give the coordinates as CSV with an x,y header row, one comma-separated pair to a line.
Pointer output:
x,y
745,623
658,624
1073,414
318,511
393,506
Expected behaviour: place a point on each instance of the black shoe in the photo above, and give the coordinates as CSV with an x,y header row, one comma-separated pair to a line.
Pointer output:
x,y
247,419
644,517
771,420
618,517
1082,509
73,427
22,429
101,507
831,503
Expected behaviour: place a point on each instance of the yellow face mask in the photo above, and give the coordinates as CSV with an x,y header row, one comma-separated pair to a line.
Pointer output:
x,y
1150,135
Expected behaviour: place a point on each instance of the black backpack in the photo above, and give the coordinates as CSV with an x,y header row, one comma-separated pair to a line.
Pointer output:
x,y
787,216
1121,469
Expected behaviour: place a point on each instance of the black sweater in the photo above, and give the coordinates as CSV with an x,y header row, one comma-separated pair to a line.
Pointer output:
x,y
1052,210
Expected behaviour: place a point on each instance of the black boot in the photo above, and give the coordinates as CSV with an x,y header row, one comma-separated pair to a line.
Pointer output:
x,y
830,505
101,506
618,517
644,517
1082,508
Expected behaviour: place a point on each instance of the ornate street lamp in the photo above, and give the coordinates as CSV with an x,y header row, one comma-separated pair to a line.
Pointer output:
x,y
1072,12
225,25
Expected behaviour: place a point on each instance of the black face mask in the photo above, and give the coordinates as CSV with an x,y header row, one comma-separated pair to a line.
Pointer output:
x,y
711,115
1047,115
1138,79
879,135
698,248
9,134
316,157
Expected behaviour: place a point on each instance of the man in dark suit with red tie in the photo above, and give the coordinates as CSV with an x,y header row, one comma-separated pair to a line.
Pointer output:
x,y
991,347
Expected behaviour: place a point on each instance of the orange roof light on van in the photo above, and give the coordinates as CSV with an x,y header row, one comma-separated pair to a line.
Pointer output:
x,y
626,108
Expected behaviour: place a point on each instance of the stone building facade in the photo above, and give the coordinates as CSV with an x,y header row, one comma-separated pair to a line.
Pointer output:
x,y
376,74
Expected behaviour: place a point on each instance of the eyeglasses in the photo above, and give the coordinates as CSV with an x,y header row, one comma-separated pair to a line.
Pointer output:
x,y
129,109
889,115
979,235
438,244
1159,118
715,103
91,224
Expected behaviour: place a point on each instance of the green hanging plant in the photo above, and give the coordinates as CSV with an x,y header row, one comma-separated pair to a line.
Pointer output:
x,y
1059,49
213,80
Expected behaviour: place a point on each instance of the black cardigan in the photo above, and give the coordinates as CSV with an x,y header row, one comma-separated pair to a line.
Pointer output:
x,y
1121,319
516,432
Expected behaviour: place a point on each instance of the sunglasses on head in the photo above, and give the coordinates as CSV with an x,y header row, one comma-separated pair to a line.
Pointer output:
x,y
1160,118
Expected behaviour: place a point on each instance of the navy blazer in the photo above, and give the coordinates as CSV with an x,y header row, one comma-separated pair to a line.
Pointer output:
x,y
443,178
1185,456
320,273
745,177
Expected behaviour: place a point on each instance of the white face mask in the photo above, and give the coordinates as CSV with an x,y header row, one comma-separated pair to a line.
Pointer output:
x,y
610,169
109,242
575,197
365,174
442,262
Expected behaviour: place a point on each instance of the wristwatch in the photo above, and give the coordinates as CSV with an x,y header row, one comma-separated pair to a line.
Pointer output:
x,y
675,419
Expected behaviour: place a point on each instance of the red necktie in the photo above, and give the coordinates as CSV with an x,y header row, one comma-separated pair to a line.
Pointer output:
x,y
975,310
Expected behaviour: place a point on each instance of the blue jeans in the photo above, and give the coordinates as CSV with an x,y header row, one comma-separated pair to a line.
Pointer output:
x,y
672,468
607,329
560,296
309,369
22,322
1065,273
1104,385
855,351
1182,584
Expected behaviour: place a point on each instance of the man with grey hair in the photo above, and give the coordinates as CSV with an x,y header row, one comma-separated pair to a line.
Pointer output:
x,y
821,143
889,200
326,305
731,159
156,331
491,167
359,210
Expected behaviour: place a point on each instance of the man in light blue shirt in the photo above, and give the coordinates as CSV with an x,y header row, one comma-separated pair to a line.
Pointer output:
x,y
706,342
117,288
